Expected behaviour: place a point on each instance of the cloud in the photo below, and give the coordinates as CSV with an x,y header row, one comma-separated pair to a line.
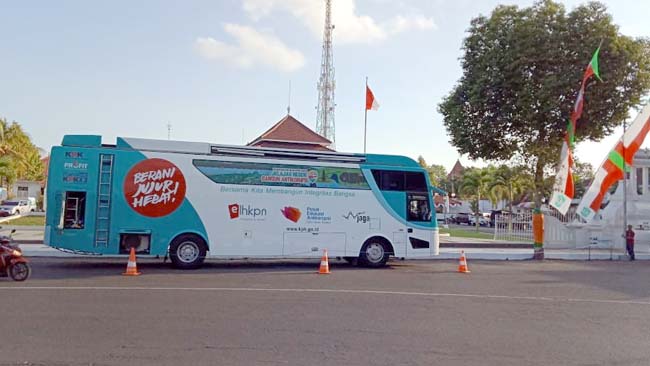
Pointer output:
x,y
350,27
251,48
402,24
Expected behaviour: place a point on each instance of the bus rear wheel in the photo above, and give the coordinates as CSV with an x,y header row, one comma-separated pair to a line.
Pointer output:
x,y
374,253
187,251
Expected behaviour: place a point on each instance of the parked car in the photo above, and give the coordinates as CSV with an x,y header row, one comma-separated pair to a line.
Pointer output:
x,y
482,221
461,218
31,204
14,207
501,213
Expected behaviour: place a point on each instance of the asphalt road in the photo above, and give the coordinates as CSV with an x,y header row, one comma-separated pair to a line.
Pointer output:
x,y
83,312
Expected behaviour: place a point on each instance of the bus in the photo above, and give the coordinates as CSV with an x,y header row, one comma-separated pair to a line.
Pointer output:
x,y
189,200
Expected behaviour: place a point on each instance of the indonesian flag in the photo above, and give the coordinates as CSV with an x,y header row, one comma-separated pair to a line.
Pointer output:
x,y
371,102
612,169
563,189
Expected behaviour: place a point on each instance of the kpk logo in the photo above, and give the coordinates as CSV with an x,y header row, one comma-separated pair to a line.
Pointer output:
x,y
74,154
248,212
291,213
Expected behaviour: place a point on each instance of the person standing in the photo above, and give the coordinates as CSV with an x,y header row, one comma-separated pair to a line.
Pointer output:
x,y
629,241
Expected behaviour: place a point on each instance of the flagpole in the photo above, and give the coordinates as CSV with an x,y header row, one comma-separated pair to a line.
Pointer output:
x,y
365,118
625,186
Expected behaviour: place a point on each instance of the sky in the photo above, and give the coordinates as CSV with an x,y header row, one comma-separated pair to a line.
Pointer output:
x,y
219,71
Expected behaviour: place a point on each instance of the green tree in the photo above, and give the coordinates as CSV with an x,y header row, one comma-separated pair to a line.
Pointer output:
x,y
475,184
21,156
583,174
522,69
437,173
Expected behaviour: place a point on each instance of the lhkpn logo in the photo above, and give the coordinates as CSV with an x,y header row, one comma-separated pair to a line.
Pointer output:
x,y
236,211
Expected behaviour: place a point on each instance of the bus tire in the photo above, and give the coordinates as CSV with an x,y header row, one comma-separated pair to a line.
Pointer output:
x,y
187,251
375,253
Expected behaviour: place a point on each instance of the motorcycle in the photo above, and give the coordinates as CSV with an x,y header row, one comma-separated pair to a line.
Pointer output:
x,y
12,262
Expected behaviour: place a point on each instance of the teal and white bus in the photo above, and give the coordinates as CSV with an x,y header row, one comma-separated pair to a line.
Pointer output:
x,y
190,200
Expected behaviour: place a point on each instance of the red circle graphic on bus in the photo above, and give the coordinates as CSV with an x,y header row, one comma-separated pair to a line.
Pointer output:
x,y
154,187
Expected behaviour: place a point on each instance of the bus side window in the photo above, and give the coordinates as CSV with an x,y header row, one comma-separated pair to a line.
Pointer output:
x,y
415,182
74,210
389,180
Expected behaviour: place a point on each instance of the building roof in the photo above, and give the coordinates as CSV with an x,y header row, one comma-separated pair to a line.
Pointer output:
x,y
291,145
293,134
456,171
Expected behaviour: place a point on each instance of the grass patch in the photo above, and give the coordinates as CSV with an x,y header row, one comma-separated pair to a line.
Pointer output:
x,y
461,233
27,221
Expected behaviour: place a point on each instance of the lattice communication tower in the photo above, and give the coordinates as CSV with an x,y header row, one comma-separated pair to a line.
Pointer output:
x,y
326,83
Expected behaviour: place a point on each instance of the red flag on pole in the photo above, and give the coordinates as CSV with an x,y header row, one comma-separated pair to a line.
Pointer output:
x,y
371,102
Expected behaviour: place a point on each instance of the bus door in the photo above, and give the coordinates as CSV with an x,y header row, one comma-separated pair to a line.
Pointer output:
x,y
418,213
72,220
408,194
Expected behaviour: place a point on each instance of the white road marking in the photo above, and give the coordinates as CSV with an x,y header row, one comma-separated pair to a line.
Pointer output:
x,y
309,290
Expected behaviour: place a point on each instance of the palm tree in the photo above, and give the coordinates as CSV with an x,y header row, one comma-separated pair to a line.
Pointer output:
x,y
508,182
5,146
7,171
475,183
20,157
32,166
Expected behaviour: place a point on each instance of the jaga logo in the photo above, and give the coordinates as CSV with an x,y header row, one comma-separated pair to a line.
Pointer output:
x,y
359,217
291,213
249,212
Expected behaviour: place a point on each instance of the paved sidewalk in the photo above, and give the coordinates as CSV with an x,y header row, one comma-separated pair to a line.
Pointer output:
x,y
40,250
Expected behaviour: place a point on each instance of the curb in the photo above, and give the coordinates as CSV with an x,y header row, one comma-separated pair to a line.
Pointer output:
x,y
491,254
487,245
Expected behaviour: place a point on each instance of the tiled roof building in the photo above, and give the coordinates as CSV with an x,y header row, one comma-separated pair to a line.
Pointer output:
x,y
457,171
289,133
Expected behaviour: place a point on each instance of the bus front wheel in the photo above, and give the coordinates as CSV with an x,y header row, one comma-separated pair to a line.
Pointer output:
x,y
187,251
375,253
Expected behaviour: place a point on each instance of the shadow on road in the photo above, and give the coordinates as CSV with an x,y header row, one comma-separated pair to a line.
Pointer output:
x,y
628,278
44,269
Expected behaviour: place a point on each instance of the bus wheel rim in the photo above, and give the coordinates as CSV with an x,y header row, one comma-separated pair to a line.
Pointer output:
x,y
188,252
375,252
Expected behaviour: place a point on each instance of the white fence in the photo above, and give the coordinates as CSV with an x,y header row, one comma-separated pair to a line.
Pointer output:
x,y
517,227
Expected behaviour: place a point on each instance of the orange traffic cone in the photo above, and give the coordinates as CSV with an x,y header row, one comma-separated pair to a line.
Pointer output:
x,y
462,263
131,266
324,264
